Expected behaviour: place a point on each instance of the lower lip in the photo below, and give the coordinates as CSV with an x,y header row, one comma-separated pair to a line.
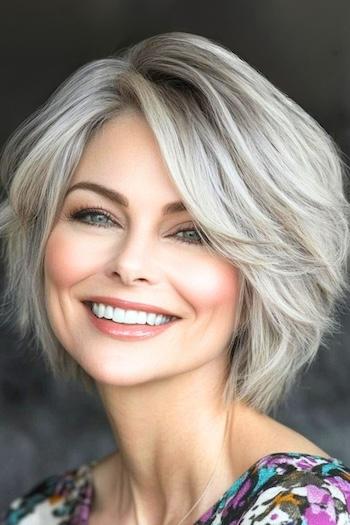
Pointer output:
x,y
127,332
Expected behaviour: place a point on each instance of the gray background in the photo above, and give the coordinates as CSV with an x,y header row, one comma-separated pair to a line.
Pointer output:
x,y
302,46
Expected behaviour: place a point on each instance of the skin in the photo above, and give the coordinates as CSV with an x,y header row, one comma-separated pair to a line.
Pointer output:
x,y
162,395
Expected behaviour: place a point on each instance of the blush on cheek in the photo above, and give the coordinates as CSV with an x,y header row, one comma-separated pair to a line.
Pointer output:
x,y
68,259
215,284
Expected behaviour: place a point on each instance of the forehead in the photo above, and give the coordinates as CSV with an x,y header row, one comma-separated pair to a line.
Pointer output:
x,y
124,157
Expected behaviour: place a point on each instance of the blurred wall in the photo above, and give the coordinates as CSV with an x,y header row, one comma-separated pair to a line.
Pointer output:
x,y
303,48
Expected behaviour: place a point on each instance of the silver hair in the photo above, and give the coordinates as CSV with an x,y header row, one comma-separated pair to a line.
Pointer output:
x,y
262,179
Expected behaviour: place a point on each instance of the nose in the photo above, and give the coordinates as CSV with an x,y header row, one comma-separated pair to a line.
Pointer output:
x,y
133,259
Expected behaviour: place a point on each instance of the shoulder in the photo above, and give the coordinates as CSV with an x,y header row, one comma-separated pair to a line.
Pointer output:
x,y
53,500
298,488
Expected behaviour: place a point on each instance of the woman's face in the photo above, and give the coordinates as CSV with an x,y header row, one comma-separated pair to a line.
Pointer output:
x,y
135,253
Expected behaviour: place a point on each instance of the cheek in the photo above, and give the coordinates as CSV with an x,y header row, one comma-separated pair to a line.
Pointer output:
x,y
214,284
67,259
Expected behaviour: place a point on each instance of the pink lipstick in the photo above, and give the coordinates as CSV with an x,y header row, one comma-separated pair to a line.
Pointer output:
x,y
127,332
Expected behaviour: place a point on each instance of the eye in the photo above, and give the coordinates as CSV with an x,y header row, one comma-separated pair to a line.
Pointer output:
x,y
191,239
81,214
105,220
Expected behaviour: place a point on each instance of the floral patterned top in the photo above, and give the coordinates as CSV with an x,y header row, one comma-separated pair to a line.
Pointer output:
x,y
288,488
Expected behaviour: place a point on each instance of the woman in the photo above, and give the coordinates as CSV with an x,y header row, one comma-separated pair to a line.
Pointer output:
x,y
184,233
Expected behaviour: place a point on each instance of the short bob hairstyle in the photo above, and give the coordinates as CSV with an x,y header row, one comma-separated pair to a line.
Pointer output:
x,y
263,181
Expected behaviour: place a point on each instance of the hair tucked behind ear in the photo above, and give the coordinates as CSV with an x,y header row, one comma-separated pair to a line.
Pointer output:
x,y
263,180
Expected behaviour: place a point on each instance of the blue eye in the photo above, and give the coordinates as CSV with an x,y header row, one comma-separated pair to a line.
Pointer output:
x,y
106,221
82,213
190,240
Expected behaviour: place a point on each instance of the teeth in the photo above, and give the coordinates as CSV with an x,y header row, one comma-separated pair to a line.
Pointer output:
x,y
130,317
100,310
151,318
161,319
108,312
141,318
119,315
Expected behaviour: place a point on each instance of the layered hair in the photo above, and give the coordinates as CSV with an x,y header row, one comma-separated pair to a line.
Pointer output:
x,y
262,179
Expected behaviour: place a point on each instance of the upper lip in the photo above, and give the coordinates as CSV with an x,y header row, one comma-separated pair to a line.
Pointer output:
x,y
128,305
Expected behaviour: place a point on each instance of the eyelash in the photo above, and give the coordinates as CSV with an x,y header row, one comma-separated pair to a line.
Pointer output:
x,y
78,213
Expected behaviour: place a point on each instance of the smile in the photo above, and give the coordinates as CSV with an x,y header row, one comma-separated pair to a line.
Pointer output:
x,y
123,316
128,331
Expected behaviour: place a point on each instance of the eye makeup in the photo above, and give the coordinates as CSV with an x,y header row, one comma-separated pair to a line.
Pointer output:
x,y
81,213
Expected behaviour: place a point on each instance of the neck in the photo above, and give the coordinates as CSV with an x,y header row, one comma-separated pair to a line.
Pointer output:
x,y
168,448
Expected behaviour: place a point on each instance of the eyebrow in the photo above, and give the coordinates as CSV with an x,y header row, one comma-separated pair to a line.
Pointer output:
x,y
119,198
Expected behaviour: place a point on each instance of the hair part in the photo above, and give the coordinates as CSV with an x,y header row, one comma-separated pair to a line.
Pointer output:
x,y
263,180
